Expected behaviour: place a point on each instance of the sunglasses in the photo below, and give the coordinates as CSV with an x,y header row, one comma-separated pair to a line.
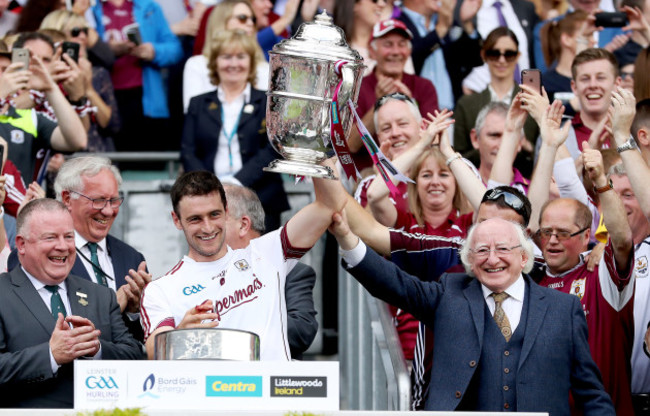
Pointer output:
x,y
494,55
513,201
76,31
393,96
243,18
626,75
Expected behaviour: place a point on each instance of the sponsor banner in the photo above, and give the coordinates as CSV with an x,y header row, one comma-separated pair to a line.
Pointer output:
x,y
290,386
195,385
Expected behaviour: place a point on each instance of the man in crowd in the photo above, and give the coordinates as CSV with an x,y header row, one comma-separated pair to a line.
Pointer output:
x,y
594,78
390,46
233,287
484,362
90,189
49,317
498,134
245,222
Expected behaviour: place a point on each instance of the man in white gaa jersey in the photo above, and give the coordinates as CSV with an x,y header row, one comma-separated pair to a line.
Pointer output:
x,y
235,289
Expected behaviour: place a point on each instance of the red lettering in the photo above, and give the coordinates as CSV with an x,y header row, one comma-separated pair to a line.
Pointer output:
x,y
238,297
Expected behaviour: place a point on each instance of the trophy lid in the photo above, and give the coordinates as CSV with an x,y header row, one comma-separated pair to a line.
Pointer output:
x,y
319,39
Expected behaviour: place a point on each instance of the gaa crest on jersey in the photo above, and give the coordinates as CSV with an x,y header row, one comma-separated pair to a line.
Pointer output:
x,y
242,265
578,288
641,266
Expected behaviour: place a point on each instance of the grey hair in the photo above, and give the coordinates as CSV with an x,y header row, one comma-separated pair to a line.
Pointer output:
x,y
495,106
70,175
415,111
244,201
25,215
526,246
618,170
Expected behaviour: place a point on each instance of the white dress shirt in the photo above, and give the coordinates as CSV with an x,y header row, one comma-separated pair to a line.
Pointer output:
x,y
104,258
487,21
512,305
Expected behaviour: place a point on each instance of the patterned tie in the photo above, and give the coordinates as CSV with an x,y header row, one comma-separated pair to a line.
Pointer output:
x,y
55,301
500,316
502,22
99,274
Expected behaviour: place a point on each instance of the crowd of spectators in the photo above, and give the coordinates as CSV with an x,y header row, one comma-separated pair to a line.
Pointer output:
x,y
443,95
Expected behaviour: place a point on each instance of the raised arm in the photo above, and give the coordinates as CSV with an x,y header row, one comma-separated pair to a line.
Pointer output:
x,y
622,112
510,143
614,214
468,180
553,136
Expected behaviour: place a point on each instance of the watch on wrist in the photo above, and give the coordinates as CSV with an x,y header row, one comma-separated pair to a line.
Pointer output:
x,y
630,144
603,189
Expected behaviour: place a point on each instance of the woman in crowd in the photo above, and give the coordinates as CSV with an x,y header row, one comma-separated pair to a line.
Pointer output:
x,y
562,40
99,88
227,15
500,51
225,131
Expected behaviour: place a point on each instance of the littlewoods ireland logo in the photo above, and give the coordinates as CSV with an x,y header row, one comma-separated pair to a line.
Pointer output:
x,y
287,386
233,386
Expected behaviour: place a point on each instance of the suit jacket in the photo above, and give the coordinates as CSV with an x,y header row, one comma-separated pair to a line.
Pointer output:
x,y
26,325
555,357
301,315
123,256
461,55
201,138
525,11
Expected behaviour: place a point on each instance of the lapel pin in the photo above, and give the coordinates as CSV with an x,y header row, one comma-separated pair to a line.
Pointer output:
x,y
212,106
82,298
248,108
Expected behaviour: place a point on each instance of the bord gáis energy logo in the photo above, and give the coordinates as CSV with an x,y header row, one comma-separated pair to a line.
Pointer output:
x,y
147,387
233,386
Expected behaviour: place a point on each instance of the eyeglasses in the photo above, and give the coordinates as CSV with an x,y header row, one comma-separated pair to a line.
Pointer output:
x,y
500,251
561,235
510,199
76,31
100,203
494,55
243,18
626,75
393,96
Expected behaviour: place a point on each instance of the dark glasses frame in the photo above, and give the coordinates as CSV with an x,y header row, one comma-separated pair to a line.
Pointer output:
x,y
76,31
561,235
495,54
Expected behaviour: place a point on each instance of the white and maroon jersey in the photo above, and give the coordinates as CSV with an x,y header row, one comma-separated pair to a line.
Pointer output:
x,y
246,287
640,361
605,297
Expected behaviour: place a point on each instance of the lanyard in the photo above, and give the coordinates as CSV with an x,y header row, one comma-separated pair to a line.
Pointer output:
x,y
229,136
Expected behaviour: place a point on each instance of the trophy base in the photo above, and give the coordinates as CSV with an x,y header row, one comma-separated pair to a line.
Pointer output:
x,y
292,167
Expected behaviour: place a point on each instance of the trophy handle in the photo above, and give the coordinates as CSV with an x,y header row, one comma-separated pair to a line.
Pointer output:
x,y
347,84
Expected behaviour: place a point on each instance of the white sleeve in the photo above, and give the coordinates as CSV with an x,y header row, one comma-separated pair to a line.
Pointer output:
x,y
155,310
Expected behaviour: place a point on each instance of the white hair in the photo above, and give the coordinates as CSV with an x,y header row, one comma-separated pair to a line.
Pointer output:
x,y
526,246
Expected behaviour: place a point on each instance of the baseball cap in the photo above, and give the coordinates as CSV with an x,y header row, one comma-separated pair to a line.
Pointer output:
x,y
386,26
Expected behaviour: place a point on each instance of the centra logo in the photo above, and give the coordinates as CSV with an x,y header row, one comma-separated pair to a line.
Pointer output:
x,y
233,386
94,382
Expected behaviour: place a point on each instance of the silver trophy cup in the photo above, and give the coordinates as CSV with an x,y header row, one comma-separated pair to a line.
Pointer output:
x,y
302,84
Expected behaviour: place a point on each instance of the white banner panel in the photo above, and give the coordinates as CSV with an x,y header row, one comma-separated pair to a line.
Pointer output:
x,y
205,385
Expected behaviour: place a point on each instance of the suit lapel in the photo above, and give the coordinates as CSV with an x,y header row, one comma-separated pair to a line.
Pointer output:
x,y
120,269
78,269
537,307
78,302
476,303
213,108
250,109
26,292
